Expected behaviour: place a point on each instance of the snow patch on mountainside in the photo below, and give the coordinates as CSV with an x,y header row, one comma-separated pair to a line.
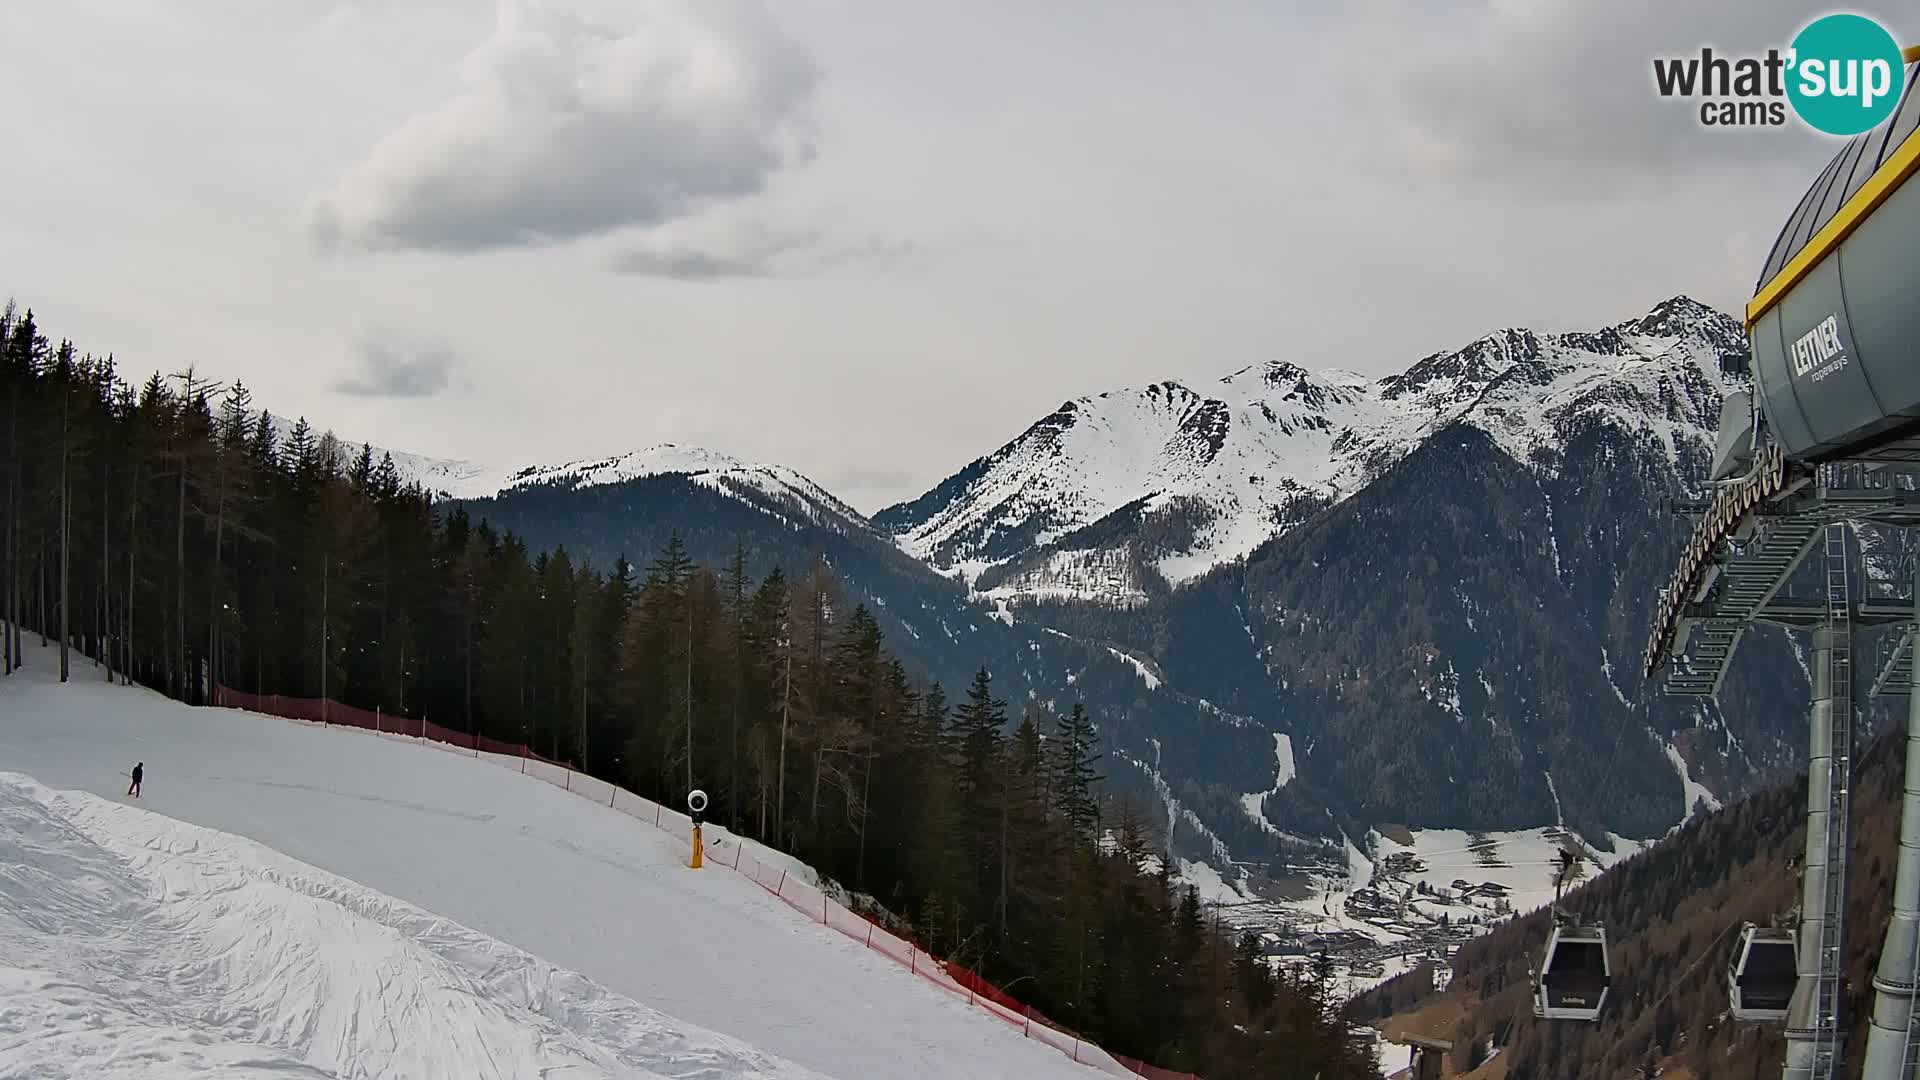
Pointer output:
x,y
1255,803
1146,673
1695,792
1178,814
1606,668
1207,881
1105,576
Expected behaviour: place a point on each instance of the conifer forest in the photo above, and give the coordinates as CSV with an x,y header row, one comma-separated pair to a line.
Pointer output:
x,y
168,531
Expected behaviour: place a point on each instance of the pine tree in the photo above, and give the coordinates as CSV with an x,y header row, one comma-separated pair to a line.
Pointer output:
x,y
978,726
737,645
1073,761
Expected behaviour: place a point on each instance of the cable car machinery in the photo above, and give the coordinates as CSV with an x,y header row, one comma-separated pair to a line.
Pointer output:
x,y
1575,973
1827,436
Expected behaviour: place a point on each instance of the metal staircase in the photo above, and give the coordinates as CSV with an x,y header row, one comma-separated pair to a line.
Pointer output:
x,y
1744,552
1896,664
1743,587
1831,988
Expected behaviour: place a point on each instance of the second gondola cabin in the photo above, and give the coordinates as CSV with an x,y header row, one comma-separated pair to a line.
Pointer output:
x,y
1761,976
1574,974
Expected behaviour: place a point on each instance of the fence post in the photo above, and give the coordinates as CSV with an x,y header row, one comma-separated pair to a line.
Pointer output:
x,y
656,815
778,889
869,935
824,919
736,853
523,759
376,720
1076,1050
569,779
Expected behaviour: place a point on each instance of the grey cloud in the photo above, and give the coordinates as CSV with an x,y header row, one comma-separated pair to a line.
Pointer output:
x,y
754,250
1557,99
390,367
567,126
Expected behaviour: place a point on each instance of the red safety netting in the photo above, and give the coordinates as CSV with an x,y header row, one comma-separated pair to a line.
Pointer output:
x,y
720,848
328,711
1152,1072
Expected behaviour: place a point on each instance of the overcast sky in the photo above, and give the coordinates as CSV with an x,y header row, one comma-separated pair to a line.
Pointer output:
x,y
869,240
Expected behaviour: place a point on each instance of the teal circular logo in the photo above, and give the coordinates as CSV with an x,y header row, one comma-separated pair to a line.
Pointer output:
x,y
1845,75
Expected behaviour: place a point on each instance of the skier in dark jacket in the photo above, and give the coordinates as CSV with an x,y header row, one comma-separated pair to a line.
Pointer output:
x,y
134,788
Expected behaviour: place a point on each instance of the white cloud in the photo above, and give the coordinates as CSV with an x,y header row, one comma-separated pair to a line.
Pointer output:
x,y
569,124
1091,203
732,246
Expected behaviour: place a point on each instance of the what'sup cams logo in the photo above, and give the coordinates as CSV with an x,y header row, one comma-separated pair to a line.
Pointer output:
x,y
1842,75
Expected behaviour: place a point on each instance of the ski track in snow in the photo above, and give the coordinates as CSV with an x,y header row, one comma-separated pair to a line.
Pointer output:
x,y
509,868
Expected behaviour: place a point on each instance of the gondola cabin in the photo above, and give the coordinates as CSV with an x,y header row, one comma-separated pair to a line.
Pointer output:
x,y
1574,974
1761,975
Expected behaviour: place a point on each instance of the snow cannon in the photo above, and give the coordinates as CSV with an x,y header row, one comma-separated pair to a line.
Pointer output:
x,y
696,806
1835,317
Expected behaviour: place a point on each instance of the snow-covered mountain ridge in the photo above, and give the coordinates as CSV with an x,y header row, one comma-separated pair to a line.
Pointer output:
x,y
1108,492
774,488
1114,497
1383,559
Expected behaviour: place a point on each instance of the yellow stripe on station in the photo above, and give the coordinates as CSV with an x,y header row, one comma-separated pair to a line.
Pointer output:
x,y
1885,181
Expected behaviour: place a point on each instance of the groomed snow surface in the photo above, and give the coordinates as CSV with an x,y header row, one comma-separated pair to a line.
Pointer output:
x,y
376,908
132,940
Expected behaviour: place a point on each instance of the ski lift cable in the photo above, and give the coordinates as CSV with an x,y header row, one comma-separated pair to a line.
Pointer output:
x,y
1489,844
1674,983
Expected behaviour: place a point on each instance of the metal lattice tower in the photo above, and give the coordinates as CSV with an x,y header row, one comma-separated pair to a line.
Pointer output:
x,y
1826,435
1830,986
1893,1036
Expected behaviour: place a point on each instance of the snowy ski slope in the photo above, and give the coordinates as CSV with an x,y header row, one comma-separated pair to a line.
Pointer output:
x,y
504,856
135,945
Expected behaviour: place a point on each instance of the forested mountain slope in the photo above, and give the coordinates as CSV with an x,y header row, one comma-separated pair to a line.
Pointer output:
x,y
1434,585
1674,913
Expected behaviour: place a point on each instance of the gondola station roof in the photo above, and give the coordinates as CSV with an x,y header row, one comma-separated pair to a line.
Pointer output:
x,y
1834,321
1859,161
